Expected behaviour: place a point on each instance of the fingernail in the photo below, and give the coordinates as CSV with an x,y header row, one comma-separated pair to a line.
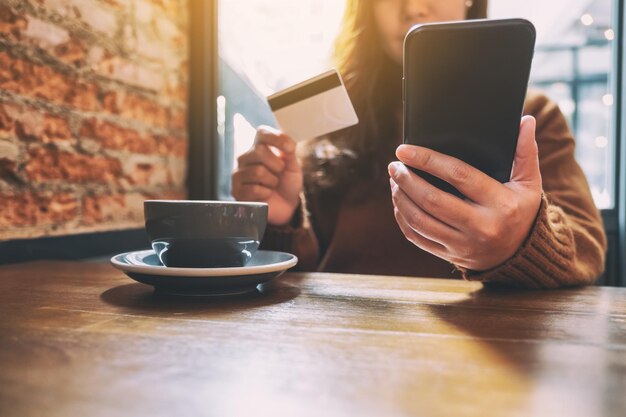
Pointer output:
x,y
393,169
529,120
405,151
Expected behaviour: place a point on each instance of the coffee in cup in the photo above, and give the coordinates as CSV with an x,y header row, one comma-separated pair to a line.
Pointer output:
x,y
205,234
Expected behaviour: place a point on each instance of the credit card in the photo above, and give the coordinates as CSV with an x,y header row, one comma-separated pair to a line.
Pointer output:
x,y
313,108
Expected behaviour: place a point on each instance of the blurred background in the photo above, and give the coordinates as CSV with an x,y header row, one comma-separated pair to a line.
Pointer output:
x,y
288,41
106,103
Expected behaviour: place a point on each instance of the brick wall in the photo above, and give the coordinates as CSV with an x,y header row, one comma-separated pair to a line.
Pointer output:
x,y
92,113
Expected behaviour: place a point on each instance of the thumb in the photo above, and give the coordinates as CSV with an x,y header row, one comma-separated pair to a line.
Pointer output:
x,y
292,165
526,163
286,148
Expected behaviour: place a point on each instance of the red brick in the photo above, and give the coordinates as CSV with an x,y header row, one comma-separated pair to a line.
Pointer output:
x,y
8,169
169,32
91,13
9,154
117,68
149,165
153,171
112,208
115,137
99,18
7,123
54,39
178,119
33,209
173,9
9,149
54,128
29,79
176,172
176,90
44,34
157,40
11,24
85,96
26,78
132,106
171,146
34,125
110,102
51,164
99,208
145,44
143,174
73,52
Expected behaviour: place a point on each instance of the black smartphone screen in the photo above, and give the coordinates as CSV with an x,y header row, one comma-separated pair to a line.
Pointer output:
x,y
464,89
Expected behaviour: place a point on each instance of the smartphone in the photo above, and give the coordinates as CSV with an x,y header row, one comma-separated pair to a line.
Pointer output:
x,y
464,88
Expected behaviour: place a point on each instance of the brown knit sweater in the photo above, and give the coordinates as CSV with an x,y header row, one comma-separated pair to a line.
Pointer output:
x,y
357,232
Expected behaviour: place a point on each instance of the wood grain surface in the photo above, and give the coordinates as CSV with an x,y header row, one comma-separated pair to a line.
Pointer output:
x,y
81,339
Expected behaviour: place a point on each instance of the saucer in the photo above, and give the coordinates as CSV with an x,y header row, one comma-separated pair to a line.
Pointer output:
x,y
145,267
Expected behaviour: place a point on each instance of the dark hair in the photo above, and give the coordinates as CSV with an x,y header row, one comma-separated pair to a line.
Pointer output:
x,y
478,10
374,83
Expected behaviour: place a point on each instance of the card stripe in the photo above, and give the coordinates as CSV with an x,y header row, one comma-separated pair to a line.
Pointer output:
x,y
292,96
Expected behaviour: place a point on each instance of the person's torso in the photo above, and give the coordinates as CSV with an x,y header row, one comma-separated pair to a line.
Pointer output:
x,y
367,240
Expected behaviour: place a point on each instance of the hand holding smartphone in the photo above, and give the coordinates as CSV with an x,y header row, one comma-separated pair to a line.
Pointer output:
x,y
464,89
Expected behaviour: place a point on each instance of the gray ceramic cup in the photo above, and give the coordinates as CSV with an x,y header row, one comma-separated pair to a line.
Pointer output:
x,y
205,234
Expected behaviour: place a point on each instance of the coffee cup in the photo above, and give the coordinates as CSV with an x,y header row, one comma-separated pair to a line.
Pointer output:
x,y
205,234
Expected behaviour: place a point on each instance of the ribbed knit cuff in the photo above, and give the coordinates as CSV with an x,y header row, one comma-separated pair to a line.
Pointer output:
x,y
280,238
543,261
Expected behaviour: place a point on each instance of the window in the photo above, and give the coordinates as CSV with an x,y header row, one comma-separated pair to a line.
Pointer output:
x,y
266,45
573,65
286,41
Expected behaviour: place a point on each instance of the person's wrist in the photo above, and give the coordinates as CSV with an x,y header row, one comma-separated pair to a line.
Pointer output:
x,y
526,229
525,237
288,219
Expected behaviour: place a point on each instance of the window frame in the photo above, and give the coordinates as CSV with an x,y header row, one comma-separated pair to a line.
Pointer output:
x,y
618,219
202,176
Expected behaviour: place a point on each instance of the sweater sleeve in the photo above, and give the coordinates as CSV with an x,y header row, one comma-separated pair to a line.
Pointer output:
x,y
297,237
567,245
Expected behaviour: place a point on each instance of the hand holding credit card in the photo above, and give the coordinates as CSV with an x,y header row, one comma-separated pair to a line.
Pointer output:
x,y
313,108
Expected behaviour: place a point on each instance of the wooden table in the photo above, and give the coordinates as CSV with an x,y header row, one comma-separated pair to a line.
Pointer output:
x,y
81,339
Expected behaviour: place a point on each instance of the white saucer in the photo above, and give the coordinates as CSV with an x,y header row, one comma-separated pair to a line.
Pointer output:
x,y
145,267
